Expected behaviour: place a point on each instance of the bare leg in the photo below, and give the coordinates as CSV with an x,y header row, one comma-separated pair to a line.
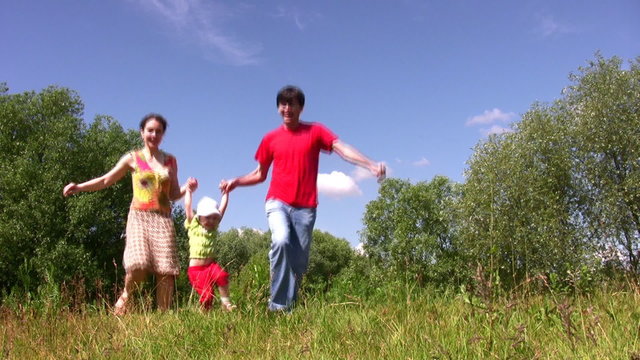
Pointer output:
x,y
224,291
164,291
131,281
224,297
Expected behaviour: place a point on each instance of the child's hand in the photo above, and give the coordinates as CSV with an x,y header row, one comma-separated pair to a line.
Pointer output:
x,y
192,184
228,185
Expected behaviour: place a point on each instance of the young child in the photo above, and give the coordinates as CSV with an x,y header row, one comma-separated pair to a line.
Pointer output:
x,y
202,229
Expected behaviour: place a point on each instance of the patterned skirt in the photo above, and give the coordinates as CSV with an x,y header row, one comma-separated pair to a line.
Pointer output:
x,y
151,243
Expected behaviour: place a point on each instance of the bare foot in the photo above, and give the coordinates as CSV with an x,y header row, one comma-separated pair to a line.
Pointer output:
x,y
228,307
120,308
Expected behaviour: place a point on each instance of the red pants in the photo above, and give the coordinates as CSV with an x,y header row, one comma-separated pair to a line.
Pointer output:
x,y
203,278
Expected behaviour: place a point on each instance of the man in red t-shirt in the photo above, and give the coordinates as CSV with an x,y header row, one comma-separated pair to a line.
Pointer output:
x,y
294,150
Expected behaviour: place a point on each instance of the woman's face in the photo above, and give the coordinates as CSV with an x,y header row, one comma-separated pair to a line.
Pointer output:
x,y
152,133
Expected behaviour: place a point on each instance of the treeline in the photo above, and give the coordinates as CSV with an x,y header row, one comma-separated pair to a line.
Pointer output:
x,y
557,198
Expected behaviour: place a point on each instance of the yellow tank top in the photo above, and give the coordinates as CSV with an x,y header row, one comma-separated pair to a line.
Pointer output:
x,y
151,188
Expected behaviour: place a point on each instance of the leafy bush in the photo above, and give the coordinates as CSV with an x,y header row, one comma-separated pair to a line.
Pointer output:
x,y
327,257
236,247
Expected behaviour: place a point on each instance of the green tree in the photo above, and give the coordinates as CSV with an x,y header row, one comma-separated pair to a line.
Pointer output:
x,y
604,105
44,145
543,198
411,229
520,207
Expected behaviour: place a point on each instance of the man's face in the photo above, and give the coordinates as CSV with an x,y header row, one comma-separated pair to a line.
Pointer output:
x,y
290,112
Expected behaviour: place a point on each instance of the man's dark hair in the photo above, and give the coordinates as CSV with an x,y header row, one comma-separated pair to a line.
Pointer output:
x,y
288,94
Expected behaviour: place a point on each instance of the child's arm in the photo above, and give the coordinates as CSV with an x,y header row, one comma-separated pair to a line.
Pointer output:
x,y
183,190
188,189
223,203
188,209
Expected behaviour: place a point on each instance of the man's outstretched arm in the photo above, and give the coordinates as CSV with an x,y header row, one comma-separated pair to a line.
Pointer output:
x,y
353,156
255,177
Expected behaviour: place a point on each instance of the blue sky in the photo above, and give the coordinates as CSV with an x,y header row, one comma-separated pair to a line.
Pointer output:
x,y
416,84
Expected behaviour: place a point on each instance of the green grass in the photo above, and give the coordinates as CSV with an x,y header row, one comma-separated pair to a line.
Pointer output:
x,y
422,325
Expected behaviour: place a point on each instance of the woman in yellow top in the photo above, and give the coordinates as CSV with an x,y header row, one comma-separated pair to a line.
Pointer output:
x,y
150,244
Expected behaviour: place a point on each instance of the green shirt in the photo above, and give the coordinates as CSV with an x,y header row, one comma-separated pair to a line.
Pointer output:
x,y
200,239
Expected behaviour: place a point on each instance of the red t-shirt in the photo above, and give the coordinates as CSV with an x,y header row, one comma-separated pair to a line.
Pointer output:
x,y
295,155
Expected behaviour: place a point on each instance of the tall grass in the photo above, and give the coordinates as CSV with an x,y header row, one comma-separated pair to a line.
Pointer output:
x,y
409,323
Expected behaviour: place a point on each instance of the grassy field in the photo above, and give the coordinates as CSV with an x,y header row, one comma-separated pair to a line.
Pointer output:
x,y
419,325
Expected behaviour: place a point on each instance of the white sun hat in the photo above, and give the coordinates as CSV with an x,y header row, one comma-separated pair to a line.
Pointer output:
x,y
207,206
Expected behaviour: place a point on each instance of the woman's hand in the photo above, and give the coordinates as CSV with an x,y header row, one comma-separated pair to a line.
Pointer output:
x,y
70,189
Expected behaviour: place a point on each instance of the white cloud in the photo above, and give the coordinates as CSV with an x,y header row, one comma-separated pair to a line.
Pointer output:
x,y
495,129
201,21
417,163
422,162
360,174
548,26
490,117
240,231
337,185
300,19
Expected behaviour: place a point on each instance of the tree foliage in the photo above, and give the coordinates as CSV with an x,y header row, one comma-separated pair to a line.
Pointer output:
x,y
544,198
410,228
604,105
520,209
328,256
235,248
44,145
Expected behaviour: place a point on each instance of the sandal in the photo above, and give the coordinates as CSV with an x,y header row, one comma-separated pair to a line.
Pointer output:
x,y
120,308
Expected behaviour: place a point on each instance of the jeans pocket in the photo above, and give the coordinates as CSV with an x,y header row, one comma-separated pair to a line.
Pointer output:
x,y
272,205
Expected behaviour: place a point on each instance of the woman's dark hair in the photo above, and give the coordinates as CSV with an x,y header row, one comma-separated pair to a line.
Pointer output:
x,y
288,94
153,116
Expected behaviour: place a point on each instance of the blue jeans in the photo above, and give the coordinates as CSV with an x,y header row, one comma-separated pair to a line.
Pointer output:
x,y
291,231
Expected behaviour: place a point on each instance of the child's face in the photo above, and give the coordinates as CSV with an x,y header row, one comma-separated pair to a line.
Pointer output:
x,y
209,222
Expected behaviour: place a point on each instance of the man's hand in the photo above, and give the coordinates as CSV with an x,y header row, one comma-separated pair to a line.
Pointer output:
x,y
380,171
227,186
